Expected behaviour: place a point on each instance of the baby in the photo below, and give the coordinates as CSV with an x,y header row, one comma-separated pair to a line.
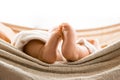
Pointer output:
x,y
49,52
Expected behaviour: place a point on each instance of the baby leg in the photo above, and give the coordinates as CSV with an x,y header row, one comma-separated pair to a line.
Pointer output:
x,y
46,52
70,49
50,50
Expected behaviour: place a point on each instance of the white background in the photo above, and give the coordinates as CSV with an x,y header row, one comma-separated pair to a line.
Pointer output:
x,y
50,13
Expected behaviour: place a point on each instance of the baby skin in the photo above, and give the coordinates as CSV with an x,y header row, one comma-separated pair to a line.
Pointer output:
x,y
70,49
49,53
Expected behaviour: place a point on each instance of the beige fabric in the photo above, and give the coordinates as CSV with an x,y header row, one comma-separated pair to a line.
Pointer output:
x,y
104,65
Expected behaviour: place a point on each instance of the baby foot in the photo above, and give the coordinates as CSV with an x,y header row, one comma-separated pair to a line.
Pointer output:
x,y
56,32
68,33
49,51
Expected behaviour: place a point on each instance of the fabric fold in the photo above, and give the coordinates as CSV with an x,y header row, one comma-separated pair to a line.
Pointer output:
x,y
24,37
103,65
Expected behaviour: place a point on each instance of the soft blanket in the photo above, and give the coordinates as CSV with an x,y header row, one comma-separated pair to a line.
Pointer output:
x,y
103,65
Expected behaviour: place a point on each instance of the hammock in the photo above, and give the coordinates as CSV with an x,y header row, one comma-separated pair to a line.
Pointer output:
x,y
103,65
